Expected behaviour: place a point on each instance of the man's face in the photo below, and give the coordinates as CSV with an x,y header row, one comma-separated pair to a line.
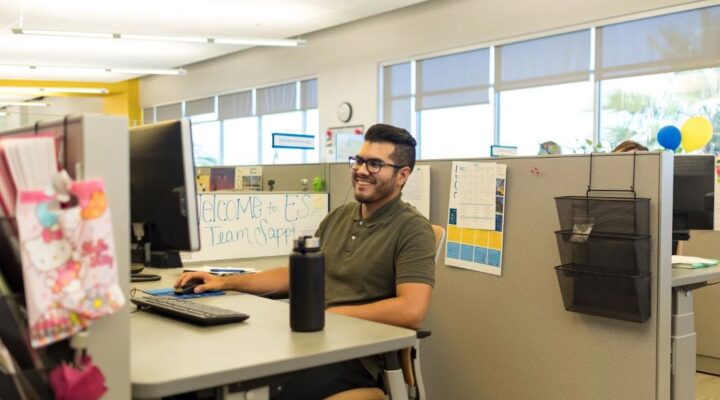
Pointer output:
x,y
369,187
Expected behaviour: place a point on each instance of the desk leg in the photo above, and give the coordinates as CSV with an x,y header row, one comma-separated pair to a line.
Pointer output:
x,y
683,345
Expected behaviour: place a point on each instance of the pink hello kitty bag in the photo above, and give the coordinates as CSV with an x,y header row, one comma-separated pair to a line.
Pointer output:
x,y
69,263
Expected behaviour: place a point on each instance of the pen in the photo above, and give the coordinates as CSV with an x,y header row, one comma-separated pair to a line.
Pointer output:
x,y
221,270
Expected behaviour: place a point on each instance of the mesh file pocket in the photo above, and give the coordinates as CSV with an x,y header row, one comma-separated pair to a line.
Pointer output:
x,y
606,214
605,252
615,296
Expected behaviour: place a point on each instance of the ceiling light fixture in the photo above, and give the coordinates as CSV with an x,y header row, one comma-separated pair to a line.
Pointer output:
x,y
141,71
42,32
163,38
50,90
24,103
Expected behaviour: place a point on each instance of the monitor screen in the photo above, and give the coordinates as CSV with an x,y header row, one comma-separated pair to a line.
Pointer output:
x,y
693,192
162,192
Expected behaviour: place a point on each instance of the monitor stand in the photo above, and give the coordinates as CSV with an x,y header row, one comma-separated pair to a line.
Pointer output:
x,y
164,259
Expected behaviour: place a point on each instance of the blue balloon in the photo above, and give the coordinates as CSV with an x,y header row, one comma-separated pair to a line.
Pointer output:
x,y
669,137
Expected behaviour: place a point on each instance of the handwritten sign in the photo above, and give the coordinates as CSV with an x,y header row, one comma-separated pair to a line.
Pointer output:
x,y
235,225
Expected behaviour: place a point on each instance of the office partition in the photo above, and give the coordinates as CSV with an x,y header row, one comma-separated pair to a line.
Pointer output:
x,y
509,336
97,146
288,177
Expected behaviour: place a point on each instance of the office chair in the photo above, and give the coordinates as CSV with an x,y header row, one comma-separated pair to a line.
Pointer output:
x,y
403,380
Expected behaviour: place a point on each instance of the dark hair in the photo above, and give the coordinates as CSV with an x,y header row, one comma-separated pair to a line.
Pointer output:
x,y
404,153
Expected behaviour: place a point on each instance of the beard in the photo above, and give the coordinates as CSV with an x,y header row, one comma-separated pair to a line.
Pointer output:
x,y
369,190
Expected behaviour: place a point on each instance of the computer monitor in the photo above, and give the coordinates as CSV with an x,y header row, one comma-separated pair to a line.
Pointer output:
x,y
163,203
693,194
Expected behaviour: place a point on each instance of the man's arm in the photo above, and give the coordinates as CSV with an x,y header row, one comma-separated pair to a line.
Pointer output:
x,y
266,282
407,309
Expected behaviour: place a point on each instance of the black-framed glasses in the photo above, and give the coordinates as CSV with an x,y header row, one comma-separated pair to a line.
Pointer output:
x,y
373,165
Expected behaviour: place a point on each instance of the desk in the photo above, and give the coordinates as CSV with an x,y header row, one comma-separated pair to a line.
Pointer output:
x,y
170,357
684,344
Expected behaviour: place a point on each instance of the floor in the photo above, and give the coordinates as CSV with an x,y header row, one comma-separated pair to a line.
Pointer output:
x,y
707,387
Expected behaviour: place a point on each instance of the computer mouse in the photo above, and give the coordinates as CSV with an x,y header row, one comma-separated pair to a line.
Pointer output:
x,y
189,286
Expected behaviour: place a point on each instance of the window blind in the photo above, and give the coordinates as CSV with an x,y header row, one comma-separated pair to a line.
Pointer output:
x,y
672,42
545,61
148,115
235,105
308,93
168,112
200,106
397,95
453,80
277,99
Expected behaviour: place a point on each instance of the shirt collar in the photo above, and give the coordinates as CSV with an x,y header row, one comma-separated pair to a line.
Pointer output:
x,y
388,209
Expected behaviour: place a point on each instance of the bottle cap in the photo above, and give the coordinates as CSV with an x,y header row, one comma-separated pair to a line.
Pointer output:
x,y
306,243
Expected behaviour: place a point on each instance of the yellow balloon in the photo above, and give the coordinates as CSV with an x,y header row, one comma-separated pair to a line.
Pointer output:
x,y
696,133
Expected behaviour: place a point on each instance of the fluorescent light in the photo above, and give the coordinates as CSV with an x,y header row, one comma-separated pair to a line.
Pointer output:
x,y
163,38
142,71
42,32
49,90
148,71
3,113
23,103
153,38
259,42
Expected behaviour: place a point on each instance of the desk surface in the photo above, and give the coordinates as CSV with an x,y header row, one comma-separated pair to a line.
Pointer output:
x,y
170,357
682,276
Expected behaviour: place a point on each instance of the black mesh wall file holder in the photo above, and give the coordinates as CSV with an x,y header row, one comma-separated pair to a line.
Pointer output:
x,y
604,246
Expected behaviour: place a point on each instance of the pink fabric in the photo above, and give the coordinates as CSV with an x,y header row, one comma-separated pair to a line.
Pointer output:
x,y
84,382
69,262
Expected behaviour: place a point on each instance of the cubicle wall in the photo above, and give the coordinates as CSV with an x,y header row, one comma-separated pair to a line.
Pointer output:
x,y
707,300
288,177
97,146
509,337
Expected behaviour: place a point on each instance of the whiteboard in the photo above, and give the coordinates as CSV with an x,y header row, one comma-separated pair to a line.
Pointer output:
x,y
244,225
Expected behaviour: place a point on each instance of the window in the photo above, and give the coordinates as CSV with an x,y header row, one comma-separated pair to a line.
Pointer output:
x,y
561,113
456,132
240,141
637,107
237,128
312,127
291,122
206,143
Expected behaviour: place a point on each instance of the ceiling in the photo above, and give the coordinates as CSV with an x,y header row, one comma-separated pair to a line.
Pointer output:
x,y
276,19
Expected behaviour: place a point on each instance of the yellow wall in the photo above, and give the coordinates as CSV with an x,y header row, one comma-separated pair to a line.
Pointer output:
x,y
123,98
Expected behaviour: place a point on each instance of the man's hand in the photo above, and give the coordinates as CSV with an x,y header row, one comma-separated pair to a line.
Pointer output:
x,y
210,282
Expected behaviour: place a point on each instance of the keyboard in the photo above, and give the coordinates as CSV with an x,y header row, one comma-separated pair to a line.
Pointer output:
x,y
188,311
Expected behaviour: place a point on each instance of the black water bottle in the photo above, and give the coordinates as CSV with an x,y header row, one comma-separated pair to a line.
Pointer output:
x,y
307,285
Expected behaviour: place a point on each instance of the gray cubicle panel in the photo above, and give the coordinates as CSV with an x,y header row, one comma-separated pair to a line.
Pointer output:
x,y
510,337
288,177
98,146
706,300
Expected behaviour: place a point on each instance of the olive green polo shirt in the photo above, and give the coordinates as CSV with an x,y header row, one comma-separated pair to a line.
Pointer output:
x,y
366,258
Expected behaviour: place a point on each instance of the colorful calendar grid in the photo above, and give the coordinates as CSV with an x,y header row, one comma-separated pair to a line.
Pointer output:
x,y
477,249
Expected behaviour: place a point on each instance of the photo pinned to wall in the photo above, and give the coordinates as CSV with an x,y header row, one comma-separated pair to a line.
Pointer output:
x,y
341,142
222,179
248,178
471,243
202,179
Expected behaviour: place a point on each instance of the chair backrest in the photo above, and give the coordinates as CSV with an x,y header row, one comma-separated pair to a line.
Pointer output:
x,y
439,240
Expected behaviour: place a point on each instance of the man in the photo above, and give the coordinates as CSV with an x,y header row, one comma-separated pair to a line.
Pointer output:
x,y
379,260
